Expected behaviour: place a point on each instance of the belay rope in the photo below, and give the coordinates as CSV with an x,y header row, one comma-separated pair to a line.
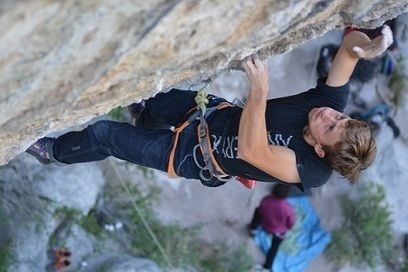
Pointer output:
x,y
146,224
202,100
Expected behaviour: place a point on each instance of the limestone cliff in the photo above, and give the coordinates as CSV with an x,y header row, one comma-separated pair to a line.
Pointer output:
x,y
65,62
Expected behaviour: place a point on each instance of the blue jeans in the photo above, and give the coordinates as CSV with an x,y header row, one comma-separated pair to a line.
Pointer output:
x,y
143,144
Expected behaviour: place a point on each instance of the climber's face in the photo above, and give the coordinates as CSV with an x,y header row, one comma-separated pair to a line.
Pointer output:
x,y
326,127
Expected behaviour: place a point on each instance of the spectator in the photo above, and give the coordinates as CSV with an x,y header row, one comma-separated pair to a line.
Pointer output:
x,y
275,216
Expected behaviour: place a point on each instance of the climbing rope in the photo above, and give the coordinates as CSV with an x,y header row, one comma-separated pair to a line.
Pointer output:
x,y
139,212
312,79
202,100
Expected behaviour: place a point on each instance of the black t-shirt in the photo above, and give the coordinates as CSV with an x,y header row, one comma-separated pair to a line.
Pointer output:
x,y
285,118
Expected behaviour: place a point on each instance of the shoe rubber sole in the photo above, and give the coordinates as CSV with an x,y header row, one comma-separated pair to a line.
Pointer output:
x,y
38,157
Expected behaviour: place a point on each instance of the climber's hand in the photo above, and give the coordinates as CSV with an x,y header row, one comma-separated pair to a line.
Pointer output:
x,y
376,46
257,74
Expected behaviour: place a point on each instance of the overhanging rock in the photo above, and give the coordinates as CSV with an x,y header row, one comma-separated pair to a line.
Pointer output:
x,y
65,62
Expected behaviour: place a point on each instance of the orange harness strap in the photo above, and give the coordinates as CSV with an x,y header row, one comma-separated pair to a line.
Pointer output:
x,y
170,170
171,173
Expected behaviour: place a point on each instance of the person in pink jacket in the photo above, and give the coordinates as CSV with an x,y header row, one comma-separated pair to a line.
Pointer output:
x,y
276,216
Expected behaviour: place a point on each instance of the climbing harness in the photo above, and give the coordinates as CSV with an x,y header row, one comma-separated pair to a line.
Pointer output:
x,y
204,143
211,174
210,169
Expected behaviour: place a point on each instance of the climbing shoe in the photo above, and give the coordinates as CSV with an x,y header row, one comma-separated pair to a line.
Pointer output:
x,y
40,150
135,110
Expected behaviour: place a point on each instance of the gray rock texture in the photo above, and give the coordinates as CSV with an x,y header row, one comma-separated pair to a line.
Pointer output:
x,y
31,196
35,201
65,62
125,263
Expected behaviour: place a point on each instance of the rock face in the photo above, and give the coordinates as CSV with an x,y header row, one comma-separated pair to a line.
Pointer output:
x,y
65,62
129,264
35,201
31,199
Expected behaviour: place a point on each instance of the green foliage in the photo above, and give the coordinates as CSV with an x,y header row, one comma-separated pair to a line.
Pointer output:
x,y
5,256
398,83
227,260
365,236
66,212
5,241
181,245
405,267
90,224
147,172
119,114
178,243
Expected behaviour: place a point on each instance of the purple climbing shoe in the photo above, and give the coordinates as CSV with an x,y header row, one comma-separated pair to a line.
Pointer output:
x,y
135,110
40,150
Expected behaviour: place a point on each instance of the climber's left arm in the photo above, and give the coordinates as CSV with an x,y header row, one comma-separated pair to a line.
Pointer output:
x,y
356,45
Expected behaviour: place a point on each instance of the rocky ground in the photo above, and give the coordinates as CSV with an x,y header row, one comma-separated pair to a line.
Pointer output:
x,y
31,194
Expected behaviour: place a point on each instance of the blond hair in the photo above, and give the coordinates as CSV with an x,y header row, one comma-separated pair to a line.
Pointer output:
x,y
354,153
